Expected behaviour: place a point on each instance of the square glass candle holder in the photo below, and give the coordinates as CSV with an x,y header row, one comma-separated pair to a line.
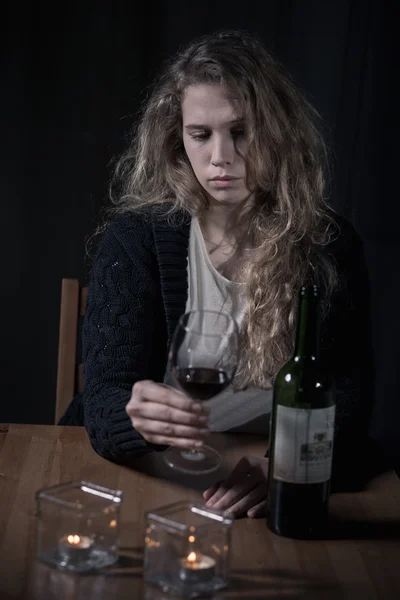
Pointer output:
x,y
78,526
187,549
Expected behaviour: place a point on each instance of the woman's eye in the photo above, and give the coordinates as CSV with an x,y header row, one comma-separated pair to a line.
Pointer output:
x,y
200,136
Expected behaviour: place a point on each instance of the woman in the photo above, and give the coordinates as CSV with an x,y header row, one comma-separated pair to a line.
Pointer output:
x,y
221,195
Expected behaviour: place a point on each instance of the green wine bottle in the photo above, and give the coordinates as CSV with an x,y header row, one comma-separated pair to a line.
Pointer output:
x,y
302,432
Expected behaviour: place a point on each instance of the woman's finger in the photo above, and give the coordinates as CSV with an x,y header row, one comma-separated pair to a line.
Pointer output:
x,y
227,496
168,430
161,440
259,510
162,412
244,472
247,502
240,470
149,391
211,491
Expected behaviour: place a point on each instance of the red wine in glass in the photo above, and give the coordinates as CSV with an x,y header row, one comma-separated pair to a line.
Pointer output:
x,y
201,383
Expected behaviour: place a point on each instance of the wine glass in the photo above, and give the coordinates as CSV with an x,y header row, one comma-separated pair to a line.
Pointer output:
x,y
203,360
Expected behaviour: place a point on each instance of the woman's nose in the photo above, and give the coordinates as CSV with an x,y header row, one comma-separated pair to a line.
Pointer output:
x,y
222,152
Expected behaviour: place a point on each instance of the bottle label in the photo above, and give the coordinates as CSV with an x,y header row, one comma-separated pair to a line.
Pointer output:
x,y
303,444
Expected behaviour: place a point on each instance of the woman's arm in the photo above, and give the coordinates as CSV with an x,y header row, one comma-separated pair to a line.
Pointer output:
x,y
124,304
348,335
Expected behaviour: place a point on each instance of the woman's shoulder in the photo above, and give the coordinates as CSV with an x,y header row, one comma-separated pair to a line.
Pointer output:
x,y
129,220
146,218
138,228
346,250
126,229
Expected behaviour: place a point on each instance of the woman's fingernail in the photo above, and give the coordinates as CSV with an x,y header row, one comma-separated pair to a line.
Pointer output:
x,y
205,431
203,420
197,408
198,444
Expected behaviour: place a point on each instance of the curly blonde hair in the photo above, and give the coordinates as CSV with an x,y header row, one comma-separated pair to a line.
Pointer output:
x,y
285,161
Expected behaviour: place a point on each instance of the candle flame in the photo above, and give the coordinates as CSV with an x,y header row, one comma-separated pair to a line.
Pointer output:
x,y
74,539
192,557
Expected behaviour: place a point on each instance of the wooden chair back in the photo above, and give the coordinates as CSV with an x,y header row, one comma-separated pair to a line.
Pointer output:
x,y
69,369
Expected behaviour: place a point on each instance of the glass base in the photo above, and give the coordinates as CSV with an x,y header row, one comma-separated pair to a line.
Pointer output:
x,y
169,583
194,462
97,559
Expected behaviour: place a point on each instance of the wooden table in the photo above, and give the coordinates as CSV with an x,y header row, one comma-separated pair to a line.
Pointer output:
x,y
365,565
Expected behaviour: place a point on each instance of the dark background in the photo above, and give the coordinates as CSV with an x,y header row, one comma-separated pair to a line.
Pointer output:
x,y
73,76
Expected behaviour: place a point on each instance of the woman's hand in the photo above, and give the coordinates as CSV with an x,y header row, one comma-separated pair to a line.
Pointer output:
x,y
163,415
244,491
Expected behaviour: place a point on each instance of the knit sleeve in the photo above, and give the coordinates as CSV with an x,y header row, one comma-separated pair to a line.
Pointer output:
x,y
118,338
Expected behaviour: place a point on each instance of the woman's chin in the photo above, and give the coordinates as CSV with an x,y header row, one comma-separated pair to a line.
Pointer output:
x,y
228,200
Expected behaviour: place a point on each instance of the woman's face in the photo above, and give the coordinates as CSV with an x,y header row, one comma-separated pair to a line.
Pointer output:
x,y
215,143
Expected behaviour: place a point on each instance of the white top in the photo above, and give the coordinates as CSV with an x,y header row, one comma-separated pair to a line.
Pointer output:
x,y
247,411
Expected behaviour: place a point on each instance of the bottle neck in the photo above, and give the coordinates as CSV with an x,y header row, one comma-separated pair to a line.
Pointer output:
x,y
308,325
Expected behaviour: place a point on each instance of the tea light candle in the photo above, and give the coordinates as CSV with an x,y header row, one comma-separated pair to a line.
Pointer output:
x,y
75,547
197,568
